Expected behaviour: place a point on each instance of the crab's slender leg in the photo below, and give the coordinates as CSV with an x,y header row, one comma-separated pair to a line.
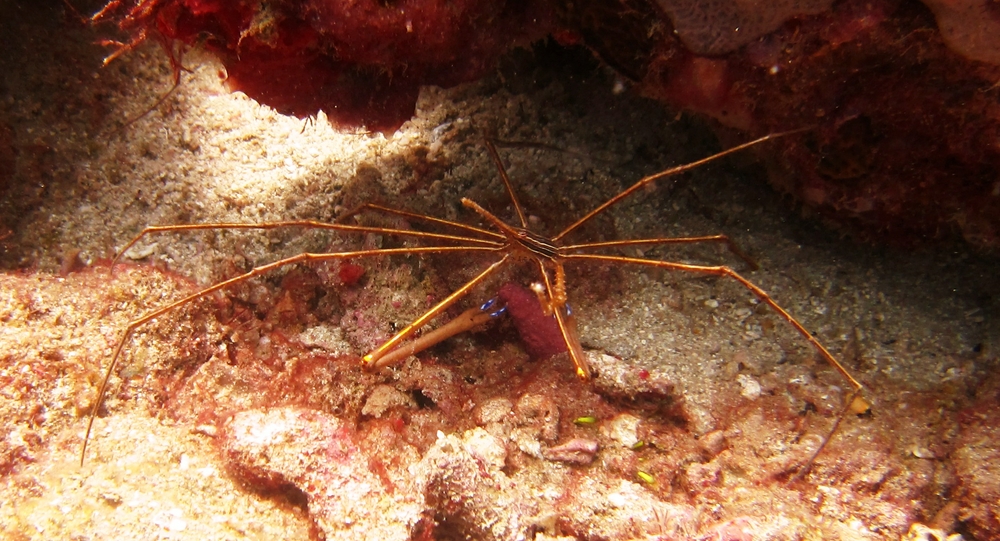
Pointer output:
x,y
730,245
758,292
469,319
311,224
855,404
413,215
565,321
506,182
256,271
667,173
372,358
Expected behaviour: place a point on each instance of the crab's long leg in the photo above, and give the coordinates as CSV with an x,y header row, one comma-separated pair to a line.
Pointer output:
x,y
256,271
730,245
421,217
311,224
469,319
566,323
666,173
506,182
758,292
854,404
372,358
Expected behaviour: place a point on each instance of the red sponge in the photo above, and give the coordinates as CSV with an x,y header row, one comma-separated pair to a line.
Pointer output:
x,y
539,332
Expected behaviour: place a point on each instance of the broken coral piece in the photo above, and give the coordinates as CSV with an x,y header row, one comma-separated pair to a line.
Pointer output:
x,y
315,453
580,451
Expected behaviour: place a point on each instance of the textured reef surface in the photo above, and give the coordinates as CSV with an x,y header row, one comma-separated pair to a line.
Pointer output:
x,y
905,107
246,415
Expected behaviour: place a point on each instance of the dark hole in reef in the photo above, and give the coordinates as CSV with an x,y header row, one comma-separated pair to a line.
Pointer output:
x,y
808,408
661,405
962,528
449,529
286,494
422,400
546,62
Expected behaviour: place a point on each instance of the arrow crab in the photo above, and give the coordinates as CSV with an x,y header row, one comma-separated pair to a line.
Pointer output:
x,y
509,243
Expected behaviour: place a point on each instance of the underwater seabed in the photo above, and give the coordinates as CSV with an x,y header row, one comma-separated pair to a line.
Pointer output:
x,y
247,415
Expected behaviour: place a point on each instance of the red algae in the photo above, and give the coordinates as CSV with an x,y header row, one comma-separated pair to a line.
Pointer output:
x,y
362,62
349,273
902,148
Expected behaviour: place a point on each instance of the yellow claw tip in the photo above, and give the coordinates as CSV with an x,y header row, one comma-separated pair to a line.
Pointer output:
x,y
368,359
860,406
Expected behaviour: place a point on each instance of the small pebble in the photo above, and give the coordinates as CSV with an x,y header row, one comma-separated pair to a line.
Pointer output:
x,y
750,387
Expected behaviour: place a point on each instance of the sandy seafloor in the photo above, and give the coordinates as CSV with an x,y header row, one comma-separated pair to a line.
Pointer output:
x,y
917,326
